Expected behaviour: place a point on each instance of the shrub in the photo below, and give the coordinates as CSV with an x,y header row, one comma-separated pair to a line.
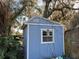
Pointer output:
x,y
10,48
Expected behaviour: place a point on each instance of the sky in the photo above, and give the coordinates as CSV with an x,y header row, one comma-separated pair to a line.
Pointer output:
x,y
40,3
76,5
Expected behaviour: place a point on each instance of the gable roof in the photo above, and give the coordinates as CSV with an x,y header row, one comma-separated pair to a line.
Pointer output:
x,y
41,20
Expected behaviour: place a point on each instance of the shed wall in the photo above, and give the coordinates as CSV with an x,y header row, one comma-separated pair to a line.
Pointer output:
x,y
41,51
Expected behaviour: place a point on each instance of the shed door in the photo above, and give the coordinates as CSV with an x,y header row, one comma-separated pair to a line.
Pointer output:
x,y
47,41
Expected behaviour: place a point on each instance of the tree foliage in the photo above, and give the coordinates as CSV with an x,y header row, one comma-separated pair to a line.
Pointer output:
x,y
8,12
58,10
62,11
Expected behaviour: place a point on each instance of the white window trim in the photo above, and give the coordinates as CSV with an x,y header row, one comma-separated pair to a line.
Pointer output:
x,y
42,37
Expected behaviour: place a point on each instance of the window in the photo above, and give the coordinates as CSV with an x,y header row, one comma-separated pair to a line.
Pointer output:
x,y
47,35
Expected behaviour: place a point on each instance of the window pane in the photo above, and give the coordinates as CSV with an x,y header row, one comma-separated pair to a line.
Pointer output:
x,y
44,33
50,33
47,39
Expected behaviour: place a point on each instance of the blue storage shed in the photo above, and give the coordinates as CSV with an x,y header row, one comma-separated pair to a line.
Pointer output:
x,y
43,38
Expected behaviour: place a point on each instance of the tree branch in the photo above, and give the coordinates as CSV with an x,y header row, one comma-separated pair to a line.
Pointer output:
x,y
60,9
48,11
18,13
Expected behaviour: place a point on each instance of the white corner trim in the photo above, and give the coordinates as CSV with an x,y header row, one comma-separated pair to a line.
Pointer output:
x,y
63,42
42,37
28,42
